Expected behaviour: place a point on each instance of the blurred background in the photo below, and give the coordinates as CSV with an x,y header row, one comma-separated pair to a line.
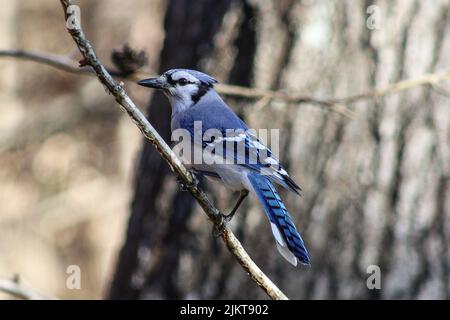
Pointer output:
x,y
79,186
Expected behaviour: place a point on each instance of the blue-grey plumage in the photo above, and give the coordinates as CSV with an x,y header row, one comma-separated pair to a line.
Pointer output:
x,y
194,100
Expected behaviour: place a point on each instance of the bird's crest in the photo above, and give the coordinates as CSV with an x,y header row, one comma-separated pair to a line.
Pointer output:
x,y
175,74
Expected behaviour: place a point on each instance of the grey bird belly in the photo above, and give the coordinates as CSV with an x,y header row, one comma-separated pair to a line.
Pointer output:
x,y
232,176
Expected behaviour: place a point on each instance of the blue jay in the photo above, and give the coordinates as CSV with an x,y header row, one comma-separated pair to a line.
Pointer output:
x,y
193,99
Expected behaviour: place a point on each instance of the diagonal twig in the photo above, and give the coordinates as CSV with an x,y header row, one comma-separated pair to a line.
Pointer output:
x,y
164,150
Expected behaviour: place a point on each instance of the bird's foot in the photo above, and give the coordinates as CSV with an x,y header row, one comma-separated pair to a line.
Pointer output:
x,y
227,217
220,228
181,184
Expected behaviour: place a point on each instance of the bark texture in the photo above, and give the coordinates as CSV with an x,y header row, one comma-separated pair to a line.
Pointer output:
x,y
376,187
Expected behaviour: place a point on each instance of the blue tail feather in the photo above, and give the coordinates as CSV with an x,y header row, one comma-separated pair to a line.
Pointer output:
x,y
283,227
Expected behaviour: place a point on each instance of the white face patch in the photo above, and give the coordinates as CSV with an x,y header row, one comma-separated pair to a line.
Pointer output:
x,y
183,93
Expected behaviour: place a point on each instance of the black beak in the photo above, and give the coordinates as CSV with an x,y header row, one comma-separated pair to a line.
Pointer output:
x,y
155,83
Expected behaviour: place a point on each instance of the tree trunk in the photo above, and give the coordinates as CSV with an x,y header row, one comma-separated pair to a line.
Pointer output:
x,y
376,188
154,231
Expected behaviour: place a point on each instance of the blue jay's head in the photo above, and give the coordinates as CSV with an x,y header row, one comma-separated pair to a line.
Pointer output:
x,y
182,86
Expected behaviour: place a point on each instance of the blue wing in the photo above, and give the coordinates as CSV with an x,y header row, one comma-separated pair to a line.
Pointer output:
x,y
228,136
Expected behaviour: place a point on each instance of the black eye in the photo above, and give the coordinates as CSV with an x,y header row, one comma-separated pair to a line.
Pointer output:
x,y
183,82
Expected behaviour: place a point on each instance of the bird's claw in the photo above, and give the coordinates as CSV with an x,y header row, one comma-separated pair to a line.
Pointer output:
x,y
182,186
227,217
220,228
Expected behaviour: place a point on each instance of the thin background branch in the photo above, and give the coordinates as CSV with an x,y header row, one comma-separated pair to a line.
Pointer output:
x,y
175,164
336,104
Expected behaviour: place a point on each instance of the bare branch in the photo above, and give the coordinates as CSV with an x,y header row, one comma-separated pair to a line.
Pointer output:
x,y
260,94
57,61
335,104
66,64
175,164
251,93
426,79
60,62
15,288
